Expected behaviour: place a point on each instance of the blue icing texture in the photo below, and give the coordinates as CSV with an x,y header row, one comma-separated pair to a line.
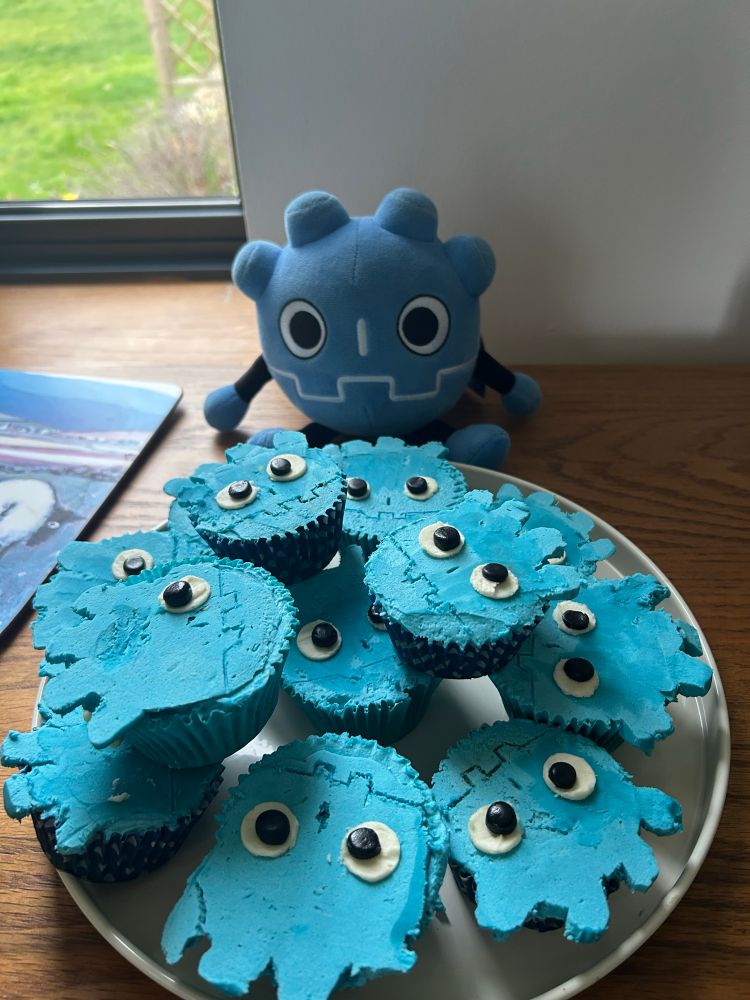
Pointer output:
x,y
575,527
128,657
643,658
299,917
386,466
568,849
279,506
87,791
434,598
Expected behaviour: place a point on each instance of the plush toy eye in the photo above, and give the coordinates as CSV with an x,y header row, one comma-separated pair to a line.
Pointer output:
x,y
420,487
285,468
574,618
302,328
371,851
576,677
319,640
424,324
186,594
269,830
131,562
569,776
494,829
238,494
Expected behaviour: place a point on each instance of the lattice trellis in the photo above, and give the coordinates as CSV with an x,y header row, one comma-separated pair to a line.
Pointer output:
x,y
184,41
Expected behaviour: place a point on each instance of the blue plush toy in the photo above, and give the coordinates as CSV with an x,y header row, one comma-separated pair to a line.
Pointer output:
x,y
371,326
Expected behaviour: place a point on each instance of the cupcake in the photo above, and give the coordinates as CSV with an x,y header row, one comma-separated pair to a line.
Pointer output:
x,y
182,661
103,815
607,664
575,528
279,508
328,859
543,825
462,590
343,670
390,484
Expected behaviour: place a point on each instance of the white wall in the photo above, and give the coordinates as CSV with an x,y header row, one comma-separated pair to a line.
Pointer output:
x,y
601,146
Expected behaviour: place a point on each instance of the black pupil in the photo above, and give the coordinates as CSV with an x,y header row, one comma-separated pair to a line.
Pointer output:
x,y
562,774
272,827
495,572
324,635
374,617
420,326
240,489
134,565
417,484
281,466
446,537
305,330
356,487
501,818
363,843
579,669
178,594
577,620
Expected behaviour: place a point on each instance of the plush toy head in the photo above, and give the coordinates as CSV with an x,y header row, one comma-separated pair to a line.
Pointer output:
x,y
369,325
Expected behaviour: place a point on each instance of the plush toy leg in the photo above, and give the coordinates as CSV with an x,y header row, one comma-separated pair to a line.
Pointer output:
x,y
265,437
524,397
224,408
479,444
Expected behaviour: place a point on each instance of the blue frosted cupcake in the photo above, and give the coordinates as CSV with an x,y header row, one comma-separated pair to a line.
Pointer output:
x,y
328,860
461,591
103,815
607,664
575,528
183,661
544,825
343,670
279,508
390,484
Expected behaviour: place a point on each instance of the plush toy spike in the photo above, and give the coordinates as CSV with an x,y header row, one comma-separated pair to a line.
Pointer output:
x,y
313,216
253,266
474,260
409,213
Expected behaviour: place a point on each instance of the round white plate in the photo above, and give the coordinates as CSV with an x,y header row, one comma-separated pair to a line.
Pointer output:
x,y
456,959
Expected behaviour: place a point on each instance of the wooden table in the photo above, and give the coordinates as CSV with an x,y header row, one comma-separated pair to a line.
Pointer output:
x,y
663,454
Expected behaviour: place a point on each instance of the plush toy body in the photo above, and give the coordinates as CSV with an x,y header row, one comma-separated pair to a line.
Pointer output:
x,y
371,326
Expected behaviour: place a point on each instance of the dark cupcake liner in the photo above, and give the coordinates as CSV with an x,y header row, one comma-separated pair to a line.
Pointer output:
x,y
598,732
293,556
368,543
121,857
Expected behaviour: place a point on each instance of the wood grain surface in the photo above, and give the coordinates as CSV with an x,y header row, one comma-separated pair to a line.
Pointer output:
x,y
662,453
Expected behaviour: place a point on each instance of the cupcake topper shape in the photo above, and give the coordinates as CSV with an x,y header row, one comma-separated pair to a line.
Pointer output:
x,y
369,845
371,325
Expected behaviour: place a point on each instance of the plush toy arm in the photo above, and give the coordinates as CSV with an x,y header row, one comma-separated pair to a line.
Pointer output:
x,y
225,407
519,392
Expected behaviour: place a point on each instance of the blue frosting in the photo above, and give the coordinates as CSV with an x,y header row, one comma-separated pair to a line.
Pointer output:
x,y
644,659
365,671
575,527
434,598
295,916
279,506
568,848
128,657
386,466
87,791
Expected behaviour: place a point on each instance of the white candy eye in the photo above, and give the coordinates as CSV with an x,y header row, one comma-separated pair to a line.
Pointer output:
x,y
576,677
186,594
574,618
494,580
371,851
376,619
238,494
441,540
557,560
494,828
285,468
131,562
269,830
424,324
569,776
319,640
302,328
420,487
357,489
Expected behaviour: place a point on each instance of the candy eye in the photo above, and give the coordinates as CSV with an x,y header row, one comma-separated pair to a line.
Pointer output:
x,y
357,489
574,618
371,851
420,487
285,468
131,562
576,677
424,324
494,580
376,619
319,640
494,829
185,594
557,560
238,494
440,540
569,777
302,328
269,830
